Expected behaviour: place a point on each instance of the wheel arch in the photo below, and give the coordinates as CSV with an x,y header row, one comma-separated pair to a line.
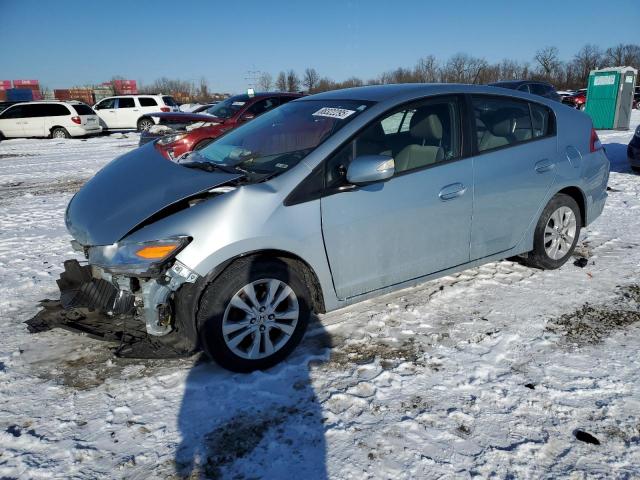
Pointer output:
x,y
310,276
578,195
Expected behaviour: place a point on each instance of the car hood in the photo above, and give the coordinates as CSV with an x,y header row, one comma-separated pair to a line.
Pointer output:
x,y
131,189
185,117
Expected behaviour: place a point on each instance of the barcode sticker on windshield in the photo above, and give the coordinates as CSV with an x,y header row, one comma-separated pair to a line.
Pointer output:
x,y
238,104
339,113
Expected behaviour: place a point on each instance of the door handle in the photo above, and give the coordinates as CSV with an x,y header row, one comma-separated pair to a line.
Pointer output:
x,y
452,191
544,166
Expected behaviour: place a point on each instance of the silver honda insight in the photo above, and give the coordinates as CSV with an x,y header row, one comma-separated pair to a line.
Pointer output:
x,y
326,201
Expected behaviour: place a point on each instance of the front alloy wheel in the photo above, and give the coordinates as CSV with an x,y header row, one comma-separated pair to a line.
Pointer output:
x,y
260,318
254,313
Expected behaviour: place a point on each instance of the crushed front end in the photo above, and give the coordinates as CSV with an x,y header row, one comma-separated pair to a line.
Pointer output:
x,y
136,279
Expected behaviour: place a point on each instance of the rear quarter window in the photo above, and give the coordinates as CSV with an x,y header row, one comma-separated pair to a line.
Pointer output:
x,y
82,109
169,101
543,121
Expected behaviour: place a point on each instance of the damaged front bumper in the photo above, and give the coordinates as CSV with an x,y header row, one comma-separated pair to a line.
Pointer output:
x,y
147,298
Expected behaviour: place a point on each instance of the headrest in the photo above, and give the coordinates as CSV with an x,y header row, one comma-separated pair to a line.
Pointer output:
x,y
429,126
503,128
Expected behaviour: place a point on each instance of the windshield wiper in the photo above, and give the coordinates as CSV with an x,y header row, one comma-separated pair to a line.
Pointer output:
x,y
206,166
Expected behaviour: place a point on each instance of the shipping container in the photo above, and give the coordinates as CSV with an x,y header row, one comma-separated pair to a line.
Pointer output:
x,y
19,94
3,95
5,83
25,83
62,94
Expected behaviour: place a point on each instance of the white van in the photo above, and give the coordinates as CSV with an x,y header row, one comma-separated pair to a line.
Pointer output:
x,y
132,111
49,119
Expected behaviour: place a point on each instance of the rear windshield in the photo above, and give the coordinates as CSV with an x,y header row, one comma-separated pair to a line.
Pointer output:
x,y
169,101
82,109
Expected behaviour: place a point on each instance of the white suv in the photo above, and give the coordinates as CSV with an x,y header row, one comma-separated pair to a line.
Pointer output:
x,y
132,111
49,119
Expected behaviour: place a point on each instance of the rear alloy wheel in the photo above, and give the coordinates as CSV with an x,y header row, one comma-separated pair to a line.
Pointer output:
x,y
145,124
556,233
254,314
59,132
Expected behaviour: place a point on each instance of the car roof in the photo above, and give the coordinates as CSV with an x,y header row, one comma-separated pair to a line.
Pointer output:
x,y
246,97
518,82
401,91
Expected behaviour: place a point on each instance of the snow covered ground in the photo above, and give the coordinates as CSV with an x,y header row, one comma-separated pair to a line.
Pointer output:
x,y
491,372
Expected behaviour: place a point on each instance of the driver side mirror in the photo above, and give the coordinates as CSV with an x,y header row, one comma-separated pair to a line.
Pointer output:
x,y
370,168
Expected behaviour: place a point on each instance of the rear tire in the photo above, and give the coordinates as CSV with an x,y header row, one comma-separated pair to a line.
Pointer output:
x,y
254,314
145,124
556,233
59,132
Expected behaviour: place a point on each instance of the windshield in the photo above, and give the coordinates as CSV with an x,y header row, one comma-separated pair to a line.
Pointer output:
x,y
229,107
279,139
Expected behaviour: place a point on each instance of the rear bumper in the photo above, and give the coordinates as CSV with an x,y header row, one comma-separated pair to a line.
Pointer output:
x,y
81,131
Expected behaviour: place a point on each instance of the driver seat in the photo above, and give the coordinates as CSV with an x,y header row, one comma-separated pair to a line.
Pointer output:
x,y
427,129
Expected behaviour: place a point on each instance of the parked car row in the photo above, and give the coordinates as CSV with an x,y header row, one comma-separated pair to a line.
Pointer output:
x,y
49,119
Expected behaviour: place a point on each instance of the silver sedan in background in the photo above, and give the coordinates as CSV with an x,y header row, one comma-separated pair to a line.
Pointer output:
x,y
329,200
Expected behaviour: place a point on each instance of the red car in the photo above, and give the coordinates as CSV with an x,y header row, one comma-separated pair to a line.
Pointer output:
x,y
178,132
577,100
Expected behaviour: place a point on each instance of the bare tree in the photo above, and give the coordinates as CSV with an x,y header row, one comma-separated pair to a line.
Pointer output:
x,y
281,82
623,55
463,68
588,58
265,82
293,82
548,61
310,79
426,70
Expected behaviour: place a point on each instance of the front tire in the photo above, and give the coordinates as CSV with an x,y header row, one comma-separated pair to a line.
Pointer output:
x,y
254,314
556,233
59,132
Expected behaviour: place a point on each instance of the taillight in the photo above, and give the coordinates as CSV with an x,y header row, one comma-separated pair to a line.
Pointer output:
x,y
165,109
77,120
594,142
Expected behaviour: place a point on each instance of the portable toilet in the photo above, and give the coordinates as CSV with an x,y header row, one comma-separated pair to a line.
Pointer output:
x,y
610,97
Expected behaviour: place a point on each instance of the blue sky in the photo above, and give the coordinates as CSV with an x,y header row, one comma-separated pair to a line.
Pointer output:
x,y
72,42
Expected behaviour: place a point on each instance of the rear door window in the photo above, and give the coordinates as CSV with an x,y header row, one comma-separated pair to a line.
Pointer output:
x,y
56,110
501,122
126,102
539,89
147,102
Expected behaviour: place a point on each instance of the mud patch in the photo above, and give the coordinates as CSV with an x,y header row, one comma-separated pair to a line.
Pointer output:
x,y
86,370
17,189
592,324
17,155
388,355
